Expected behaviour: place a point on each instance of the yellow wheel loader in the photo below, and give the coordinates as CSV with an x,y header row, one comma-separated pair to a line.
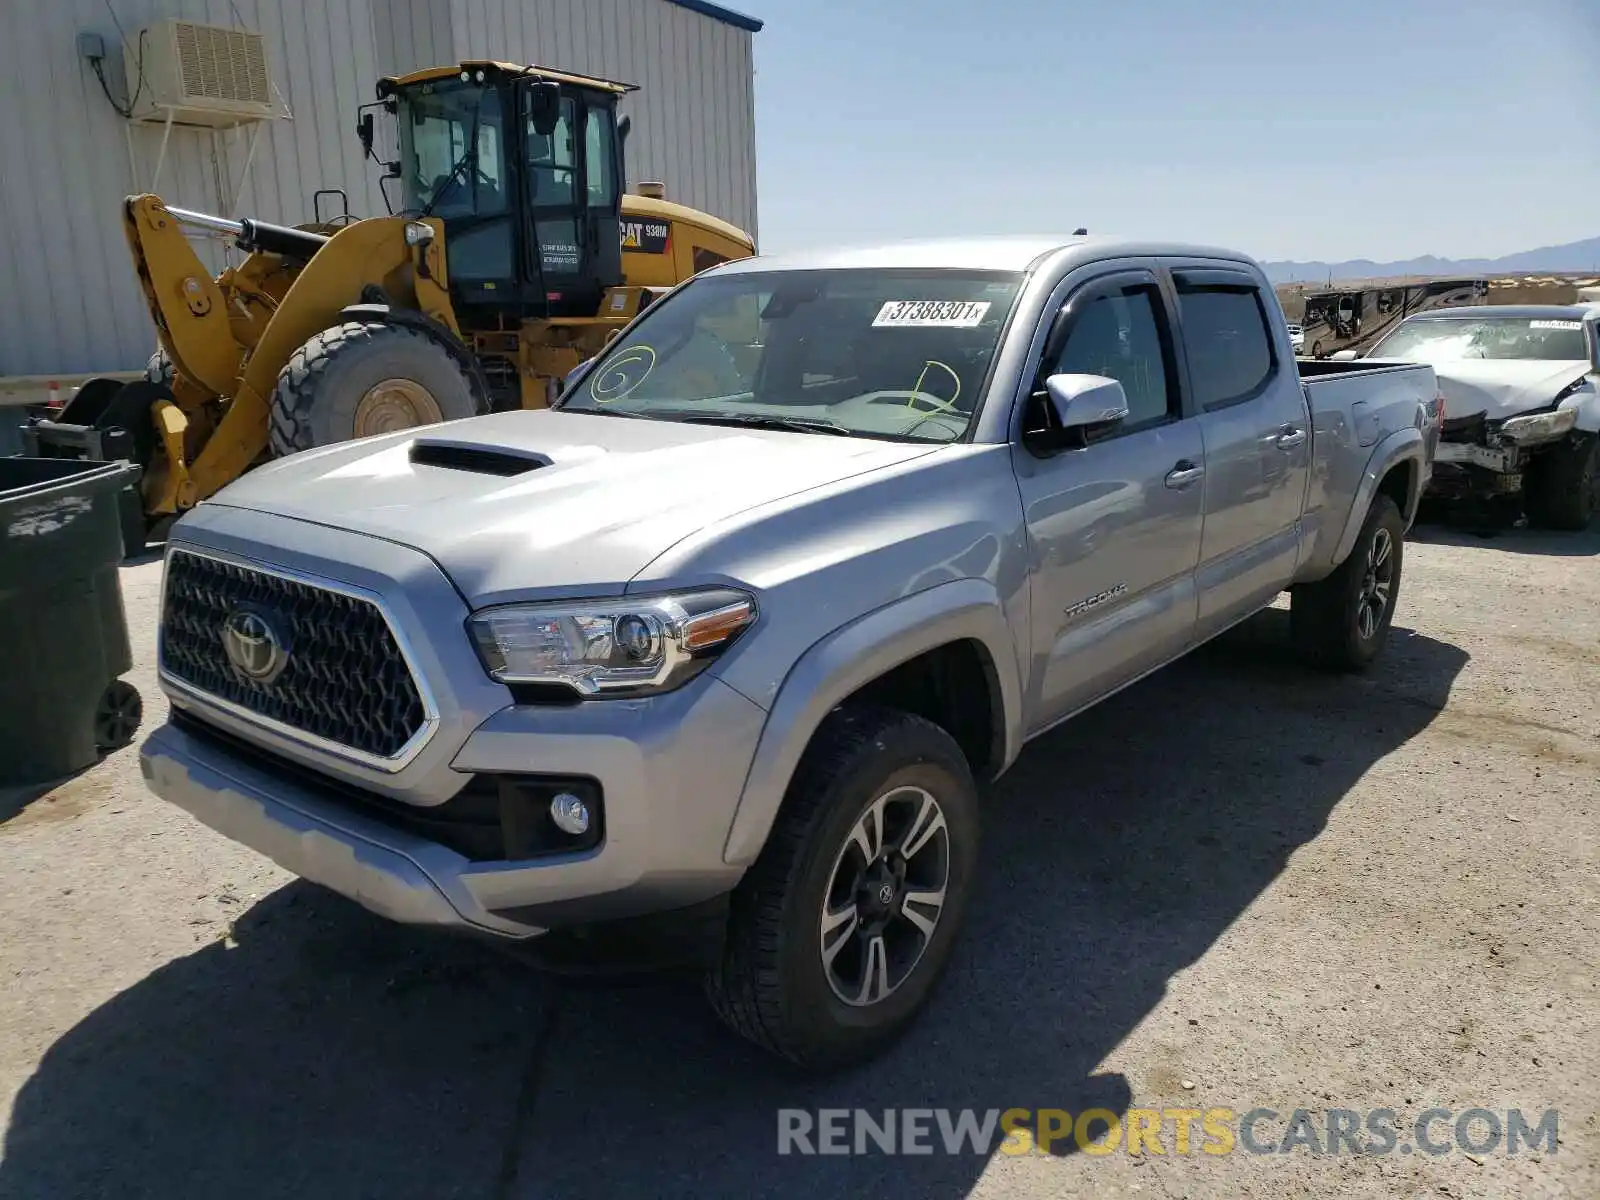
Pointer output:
x,y
513,252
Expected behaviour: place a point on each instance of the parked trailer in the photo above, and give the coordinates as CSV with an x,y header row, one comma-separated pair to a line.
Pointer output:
x,y
1353,318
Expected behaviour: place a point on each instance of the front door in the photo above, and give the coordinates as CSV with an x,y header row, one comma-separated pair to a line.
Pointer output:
x,y
1257,432
1114,525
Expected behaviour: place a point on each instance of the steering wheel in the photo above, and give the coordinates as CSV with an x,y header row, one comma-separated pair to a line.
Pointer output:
x,y
935,405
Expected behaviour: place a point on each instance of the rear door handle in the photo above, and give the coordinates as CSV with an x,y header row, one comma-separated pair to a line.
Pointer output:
x,y
1291,438
1185,473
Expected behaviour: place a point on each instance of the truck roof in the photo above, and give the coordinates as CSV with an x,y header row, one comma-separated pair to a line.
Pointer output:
x,y
1476,312
1016,252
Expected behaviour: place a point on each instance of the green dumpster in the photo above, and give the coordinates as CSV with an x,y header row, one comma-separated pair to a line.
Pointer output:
x,y
63,632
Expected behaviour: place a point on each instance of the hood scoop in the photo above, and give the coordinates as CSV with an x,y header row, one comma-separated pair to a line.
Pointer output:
x,y
479,459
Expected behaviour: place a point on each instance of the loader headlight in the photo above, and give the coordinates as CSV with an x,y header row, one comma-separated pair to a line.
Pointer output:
x,y
418,234
627,646
1540,427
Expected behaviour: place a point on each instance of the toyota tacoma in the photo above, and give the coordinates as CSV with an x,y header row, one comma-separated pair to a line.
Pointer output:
x,y
731,637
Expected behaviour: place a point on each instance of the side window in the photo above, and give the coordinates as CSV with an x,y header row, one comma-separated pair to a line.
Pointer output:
x,y
551,160
1119,335
1227,342
599,159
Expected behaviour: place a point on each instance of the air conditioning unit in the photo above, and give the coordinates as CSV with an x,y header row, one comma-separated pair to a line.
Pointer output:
x,y
194,74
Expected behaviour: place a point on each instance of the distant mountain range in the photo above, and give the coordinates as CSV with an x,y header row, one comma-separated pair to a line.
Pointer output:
x,y
1574,256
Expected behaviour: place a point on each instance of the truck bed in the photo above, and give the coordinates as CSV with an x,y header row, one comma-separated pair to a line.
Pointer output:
x,y
1319,368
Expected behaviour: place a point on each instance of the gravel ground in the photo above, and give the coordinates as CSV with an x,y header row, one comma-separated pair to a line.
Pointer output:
x,y
1235,885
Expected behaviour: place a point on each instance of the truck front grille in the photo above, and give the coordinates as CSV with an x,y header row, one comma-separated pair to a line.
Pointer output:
x,y
341,676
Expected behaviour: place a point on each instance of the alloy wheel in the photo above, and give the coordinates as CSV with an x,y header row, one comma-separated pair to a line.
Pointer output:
x,y
885,896
1377,585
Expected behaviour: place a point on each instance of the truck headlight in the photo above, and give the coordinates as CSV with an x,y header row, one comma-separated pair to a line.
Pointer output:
x,y
627,646
1540,427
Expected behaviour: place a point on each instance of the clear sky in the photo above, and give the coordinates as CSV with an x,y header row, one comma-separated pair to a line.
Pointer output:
x,y
1329,129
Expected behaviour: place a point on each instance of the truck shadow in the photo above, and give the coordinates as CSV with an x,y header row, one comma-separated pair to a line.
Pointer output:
x,y
322,1053
1469,529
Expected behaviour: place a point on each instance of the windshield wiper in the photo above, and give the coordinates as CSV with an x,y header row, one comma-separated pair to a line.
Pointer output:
x,y
755,421
469,156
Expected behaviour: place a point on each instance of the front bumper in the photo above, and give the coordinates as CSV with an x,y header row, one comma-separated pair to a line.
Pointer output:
x,y
670,770
1502,461
670,780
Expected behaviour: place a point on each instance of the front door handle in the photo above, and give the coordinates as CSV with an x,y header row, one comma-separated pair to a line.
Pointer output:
x,y
1185,473
1291,438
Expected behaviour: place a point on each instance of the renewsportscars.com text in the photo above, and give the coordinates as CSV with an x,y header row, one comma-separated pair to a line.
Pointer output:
x,y
1178,1131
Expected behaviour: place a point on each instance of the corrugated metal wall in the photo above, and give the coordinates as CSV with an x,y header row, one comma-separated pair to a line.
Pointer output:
x,y
412,34
68,301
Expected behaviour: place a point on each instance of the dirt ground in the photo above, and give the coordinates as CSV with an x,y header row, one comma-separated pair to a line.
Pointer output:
x,y
1236,885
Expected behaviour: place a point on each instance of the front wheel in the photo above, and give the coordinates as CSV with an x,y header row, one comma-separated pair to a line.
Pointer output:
x,y
1342,622
1563,485
364,378
844,924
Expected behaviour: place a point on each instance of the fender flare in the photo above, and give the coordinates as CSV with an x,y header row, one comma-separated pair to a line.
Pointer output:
x,y
851,657
435,330
1402,445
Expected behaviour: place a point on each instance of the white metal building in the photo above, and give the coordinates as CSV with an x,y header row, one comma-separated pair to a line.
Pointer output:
x,y
69,304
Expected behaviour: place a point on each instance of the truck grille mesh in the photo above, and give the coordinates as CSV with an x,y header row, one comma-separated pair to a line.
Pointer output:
x,y
346,680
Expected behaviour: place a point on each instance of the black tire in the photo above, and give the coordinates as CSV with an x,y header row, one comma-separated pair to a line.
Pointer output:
x,y
324,382
1562,490
117,716
160,369
771,985
1326,617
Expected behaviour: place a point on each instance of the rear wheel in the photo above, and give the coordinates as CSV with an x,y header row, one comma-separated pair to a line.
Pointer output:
x,y
1342,622
1562,490
117,716
364,378
843,925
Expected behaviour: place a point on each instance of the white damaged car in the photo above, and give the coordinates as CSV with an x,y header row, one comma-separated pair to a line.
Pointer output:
x,y
1521,391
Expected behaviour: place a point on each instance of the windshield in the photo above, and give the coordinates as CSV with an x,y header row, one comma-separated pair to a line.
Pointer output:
x,y
451,158
1442,341
875,353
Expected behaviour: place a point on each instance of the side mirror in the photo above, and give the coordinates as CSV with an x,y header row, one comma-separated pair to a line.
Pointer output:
x,y
624,128
576,375
364,130
544,107
1344,355
1086,401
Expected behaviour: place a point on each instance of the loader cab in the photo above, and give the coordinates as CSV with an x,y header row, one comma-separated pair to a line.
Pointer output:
x,y
524,167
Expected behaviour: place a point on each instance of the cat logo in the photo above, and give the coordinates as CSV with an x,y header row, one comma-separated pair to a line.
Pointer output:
x,y
646,237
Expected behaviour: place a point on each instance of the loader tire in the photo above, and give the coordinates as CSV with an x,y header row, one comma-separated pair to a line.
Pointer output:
x,y
361,379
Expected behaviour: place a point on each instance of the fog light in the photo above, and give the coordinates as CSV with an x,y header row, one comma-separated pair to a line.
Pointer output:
x,y
570,814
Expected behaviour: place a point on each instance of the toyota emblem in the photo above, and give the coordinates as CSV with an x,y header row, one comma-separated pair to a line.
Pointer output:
x,y
253,646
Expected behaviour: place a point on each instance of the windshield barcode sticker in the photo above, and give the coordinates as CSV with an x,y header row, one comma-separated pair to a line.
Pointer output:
x,y
1555,324
929,314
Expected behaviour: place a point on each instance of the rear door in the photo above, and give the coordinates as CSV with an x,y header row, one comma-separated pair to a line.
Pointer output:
x,y
1257,434
1114,524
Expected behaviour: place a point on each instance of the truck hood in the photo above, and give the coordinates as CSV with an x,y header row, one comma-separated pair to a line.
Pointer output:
x,y
600,497
1501,388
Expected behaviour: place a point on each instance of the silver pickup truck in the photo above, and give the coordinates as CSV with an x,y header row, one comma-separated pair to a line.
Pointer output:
x,y
729,639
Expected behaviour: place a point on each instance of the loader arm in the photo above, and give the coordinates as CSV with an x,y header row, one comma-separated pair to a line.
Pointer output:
x,y
188,307
369,252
